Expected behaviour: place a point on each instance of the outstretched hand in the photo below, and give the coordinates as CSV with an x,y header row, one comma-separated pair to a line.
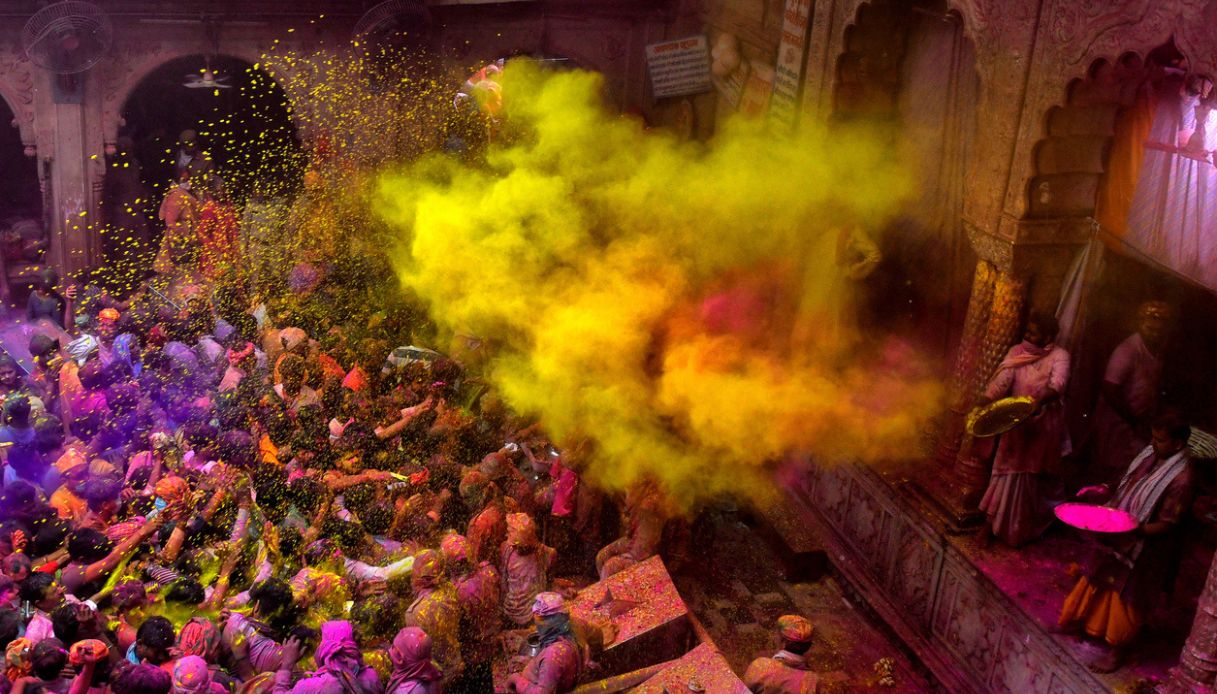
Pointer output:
x,y
292,650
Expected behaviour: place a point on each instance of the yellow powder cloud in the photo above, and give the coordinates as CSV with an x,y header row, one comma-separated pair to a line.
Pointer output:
x,y
687,306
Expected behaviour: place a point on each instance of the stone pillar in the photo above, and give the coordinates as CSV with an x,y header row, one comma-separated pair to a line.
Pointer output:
x,y
73,164
970,345
1005,312
1197,669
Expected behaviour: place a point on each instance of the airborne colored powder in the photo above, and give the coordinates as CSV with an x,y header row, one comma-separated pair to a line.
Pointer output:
x,y
684,307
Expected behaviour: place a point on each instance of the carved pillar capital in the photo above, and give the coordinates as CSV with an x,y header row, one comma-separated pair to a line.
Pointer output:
x,y
989,246
977,317
993,321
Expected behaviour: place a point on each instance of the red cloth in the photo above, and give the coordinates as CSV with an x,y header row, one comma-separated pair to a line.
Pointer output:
x,y
355,380
486,532
566,483
330,368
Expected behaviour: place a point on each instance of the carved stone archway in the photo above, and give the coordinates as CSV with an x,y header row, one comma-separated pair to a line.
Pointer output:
x,y
830,27
1076,37
17,89
1071,159
131,64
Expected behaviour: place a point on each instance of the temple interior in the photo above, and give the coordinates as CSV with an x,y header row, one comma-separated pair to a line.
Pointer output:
x,y
772,346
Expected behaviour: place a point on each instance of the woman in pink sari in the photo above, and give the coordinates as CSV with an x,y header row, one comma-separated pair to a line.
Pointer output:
x,y
1016,504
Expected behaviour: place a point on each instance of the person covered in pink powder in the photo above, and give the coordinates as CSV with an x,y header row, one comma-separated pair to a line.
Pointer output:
x,y
1025,470
1129,393
524,564
787,671
555,667
478,591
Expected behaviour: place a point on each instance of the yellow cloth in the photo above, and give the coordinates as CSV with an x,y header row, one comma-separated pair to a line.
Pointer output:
x,y
378,660
1101,612
1124,166
70,386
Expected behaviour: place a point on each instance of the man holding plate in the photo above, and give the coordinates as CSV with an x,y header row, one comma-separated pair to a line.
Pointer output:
x,y
1111,601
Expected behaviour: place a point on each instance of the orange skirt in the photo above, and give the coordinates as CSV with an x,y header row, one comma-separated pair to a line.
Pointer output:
x,y
1101,613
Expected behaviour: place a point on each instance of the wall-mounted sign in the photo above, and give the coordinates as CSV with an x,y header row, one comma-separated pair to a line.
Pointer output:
x,y
792,56
758,89
680,67
732,85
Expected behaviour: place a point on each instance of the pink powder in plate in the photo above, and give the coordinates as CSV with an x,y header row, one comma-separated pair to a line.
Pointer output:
x,y
1099,519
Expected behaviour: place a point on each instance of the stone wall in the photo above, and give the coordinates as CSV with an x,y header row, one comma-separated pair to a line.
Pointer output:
x,y
69,140
969,634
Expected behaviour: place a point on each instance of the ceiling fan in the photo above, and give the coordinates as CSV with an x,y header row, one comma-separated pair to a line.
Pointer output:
x,y
206,79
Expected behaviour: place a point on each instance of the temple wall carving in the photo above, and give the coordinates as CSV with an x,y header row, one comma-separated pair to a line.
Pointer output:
x,y
17,89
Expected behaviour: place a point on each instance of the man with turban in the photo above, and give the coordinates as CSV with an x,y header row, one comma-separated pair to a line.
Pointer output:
x,y
1129,393
107,331
787,671
555,667
524,564
488,525
201,637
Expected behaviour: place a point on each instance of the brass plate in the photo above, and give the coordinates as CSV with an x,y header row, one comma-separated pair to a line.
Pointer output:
x,y
999,416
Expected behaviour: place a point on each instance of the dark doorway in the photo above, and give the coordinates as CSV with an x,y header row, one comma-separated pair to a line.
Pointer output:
x,y
247,128
23,239
19,193
909,69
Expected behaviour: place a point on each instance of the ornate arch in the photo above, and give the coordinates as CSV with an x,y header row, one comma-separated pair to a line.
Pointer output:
x,y
17,89
129,65
1077,36
982,23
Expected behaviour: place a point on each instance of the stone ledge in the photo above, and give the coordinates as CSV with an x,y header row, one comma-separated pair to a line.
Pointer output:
x,y
967,632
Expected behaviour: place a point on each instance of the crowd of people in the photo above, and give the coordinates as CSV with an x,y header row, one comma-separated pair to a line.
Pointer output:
x,y
1138,462
206,491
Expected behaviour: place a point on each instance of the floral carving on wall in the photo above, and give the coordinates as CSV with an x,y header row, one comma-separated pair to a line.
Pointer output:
x,y
17,88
